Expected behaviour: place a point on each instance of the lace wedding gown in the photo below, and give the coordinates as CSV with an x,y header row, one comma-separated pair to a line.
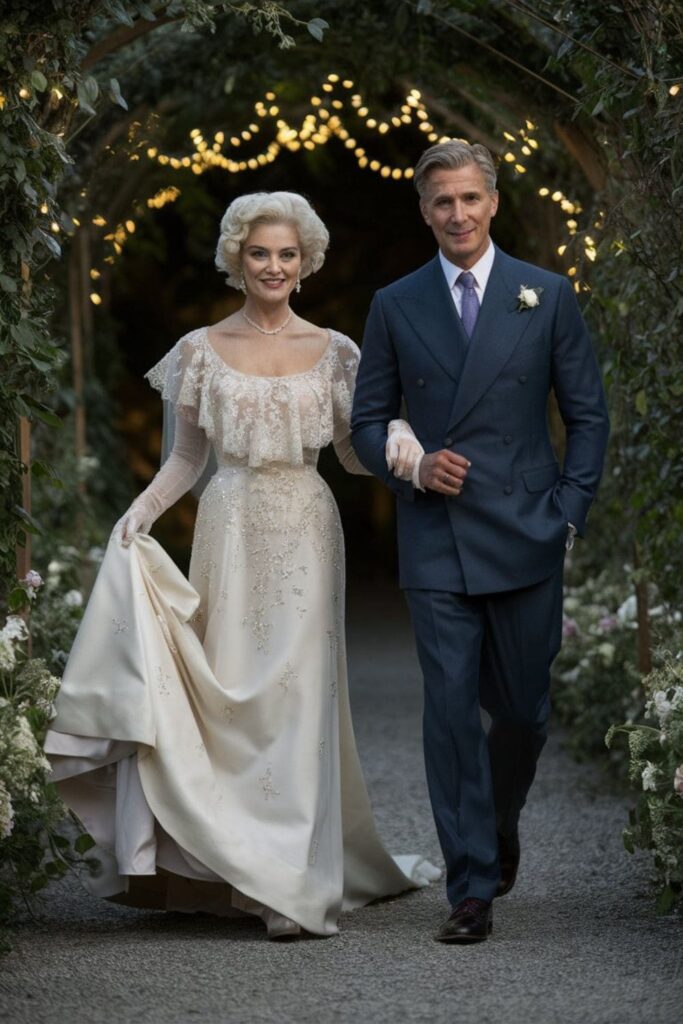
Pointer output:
x,y
203,732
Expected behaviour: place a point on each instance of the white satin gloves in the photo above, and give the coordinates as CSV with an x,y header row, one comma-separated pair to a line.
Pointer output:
x,y
403,452
178,474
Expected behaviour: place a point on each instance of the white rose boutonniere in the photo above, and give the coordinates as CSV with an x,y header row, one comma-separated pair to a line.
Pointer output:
x,y
528,298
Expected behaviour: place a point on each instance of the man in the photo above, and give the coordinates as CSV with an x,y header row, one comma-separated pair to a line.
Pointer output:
x,y
473,342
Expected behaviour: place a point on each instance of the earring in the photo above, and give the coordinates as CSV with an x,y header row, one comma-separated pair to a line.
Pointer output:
x,y
298,282
242,284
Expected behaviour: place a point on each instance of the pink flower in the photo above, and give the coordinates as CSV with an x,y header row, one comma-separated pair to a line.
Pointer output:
x,y
608,623
32,579
569,627
678,780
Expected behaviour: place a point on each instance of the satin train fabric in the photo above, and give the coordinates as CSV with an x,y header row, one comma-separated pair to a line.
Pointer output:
x,y
244,792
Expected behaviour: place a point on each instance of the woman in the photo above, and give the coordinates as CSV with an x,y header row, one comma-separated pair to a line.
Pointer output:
x,y
203,733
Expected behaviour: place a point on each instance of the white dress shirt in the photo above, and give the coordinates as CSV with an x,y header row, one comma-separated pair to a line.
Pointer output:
x,y
480,271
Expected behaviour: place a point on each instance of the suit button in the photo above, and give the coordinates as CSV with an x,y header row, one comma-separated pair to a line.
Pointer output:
x,y
522,379
420,383
448,441
507,490
507,439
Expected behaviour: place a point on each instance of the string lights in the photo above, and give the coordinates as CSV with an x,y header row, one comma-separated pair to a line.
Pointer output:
x,y
335,112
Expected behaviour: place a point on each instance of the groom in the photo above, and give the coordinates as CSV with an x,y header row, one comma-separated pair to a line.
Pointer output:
x,y
474,341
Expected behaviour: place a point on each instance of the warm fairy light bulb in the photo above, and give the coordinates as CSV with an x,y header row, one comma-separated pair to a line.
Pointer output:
x,y
383,128
520,168
397,173
24,94
556,197
363,162
270,96
95,298
526,151
509,158
544,191
327,87
674,89
347,83
371,122
561,249
375,165
408,173
333,78
509,137
363,112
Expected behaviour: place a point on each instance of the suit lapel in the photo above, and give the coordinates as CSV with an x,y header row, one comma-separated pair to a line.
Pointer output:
x,y
498,330
430,310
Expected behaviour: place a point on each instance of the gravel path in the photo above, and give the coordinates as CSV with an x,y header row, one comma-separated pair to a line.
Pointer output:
x,y
576,941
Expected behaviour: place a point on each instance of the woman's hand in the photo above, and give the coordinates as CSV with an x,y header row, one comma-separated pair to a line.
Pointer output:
x,y
138,519
403,450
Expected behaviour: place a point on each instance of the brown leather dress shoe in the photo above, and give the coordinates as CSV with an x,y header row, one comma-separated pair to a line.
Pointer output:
x,y
471,921
508,859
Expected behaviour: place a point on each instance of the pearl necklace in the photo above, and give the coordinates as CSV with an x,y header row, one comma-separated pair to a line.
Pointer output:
x,y
262,329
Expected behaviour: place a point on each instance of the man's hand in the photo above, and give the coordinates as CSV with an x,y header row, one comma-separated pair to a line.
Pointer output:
x,y
444,471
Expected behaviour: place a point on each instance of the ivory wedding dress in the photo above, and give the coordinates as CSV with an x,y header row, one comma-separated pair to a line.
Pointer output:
x,y
203,732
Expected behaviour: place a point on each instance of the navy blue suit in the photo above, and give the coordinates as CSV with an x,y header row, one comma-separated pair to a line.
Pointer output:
x,y
483,571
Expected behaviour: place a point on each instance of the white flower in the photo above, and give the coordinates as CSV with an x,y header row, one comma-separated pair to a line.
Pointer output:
x,y
628,610
73,599
6,812
677,699
662,706
678,780
7,656
32,581
650,773
55,567
88,464
15,628
571,604
528,298
96,554
606,652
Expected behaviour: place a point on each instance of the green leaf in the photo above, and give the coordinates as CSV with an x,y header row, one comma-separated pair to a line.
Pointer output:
x,y
84,843
316,27
115,93
641,403
8,284
665,900
85,95
119,12
38,81
18,599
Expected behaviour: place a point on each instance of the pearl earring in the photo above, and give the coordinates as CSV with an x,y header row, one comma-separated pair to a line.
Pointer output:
x,y
298,282
242,284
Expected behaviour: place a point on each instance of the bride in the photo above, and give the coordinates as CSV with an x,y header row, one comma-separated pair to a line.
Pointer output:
x,y
203,732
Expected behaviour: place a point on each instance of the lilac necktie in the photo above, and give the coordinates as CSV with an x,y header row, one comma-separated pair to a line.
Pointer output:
x,y
470,302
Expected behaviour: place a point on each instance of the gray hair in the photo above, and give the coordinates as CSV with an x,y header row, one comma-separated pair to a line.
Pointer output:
x,y
245,212
453,155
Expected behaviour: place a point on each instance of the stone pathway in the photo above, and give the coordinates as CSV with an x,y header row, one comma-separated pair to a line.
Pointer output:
x,y
576,942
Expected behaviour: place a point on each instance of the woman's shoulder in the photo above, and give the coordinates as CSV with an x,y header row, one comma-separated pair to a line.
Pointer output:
x,y
344,348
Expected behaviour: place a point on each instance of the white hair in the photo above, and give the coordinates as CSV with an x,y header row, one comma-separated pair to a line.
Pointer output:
x,y
246,212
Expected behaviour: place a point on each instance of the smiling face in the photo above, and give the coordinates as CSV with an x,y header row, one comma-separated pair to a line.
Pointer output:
x,y
458,209
271,261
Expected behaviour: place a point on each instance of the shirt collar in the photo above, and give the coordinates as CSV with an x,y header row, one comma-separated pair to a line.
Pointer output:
x,y
481,269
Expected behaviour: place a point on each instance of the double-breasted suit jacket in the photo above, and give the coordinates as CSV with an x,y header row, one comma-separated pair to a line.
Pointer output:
x,y
487,399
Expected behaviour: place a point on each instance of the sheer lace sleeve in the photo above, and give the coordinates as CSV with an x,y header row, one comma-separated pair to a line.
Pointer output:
x,y
179,377
345,368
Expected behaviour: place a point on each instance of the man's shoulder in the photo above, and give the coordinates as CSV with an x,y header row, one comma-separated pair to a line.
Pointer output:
x,y
409,284
520,272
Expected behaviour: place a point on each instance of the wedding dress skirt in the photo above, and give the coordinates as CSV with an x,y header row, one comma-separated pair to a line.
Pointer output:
x,y
203,731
